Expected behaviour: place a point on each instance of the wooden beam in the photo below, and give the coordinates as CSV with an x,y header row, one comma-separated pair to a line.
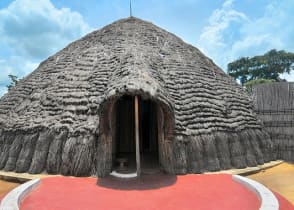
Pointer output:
x,y
137,136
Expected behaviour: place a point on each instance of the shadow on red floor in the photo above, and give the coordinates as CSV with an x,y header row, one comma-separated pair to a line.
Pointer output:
x,y
145,182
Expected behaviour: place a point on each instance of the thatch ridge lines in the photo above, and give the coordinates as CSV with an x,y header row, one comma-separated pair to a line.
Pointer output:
x,y
65,101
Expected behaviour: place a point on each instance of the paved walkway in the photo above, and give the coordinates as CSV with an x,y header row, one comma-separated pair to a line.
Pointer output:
x,y
5,187
279,178
150,192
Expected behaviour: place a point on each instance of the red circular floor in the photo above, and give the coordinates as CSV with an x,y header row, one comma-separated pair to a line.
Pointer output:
x,y
149,192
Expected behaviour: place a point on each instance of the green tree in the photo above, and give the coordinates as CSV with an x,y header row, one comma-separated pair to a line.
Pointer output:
x,y
268,66
13,81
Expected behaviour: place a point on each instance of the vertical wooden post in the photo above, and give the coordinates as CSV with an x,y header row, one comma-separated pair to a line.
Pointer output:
x,y
137,136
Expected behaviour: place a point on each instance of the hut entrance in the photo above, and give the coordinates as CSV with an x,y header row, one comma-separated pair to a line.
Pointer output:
x,y
136,138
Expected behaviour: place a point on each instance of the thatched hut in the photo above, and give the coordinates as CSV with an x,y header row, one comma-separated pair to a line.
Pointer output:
x,y
274,105
74,114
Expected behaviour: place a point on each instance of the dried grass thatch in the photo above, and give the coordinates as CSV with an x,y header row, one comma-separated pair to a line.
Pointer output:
x,y
57,119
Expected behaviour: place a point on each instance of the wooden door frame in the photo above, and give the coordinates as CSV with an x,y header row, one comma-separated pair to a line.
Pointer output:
x,y
137,136
106,137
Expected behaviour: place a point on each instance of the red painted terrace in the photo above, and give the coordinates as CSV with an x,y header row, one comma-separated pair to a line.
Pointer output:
x,y
204,192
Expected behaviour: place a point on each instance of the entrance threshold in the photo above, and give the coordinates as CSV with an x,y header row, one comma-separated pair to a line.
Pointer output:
x,y
120,175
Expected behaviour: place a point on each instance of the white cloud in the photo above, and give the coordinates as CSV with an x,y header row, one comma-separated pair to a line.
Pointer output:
x,y
32,30
5,71
288,77
36,28
218,35
14,65
231,34
3,90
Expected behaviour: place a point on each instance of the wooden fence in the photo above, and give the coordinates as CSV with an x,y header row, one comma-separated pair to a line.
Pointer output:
x,y
274,105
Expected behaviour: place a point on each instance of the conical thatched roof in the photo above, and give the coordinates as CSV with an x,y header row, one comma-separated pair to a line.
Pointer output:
x,y
53,120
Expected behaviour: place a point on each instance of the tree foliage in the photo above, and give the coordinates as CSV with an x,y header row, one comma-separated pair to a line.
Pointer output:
x,y
268,66
13,81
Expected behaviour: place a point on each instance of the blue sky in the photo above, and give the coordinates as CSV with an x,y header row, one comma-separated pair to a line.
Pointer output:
x,y
225,30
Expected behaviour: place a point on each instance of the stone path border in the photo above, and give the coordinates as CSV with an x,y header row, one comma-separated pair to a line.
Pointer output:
x,y
23,177
12,200
267,199
248,170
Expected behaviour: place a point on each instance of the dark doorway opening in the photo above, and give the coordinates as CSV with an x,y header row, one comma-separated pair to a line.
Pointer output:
x,y
148,135
124,152
124,143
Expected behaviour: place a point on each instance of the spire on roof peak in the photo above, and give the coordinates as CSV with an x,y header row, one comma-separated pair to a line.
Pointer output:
x,y
131,15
